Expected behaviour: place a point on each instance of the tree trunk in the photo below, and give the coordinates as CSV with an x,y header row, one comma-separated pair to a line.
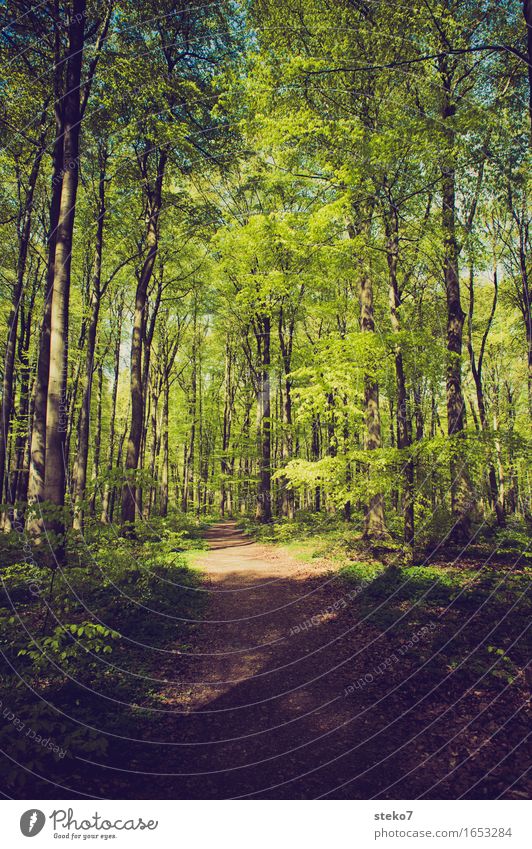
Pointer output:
x,y
226,431
404,425
97,443
189,451
136,387
286,343
524,301
374,524
24,227
513,489
527,11
499,504
461,501
106,517
19,486
315,451
38,430
476,371
264,495
163,505
153,448
56,414
80,466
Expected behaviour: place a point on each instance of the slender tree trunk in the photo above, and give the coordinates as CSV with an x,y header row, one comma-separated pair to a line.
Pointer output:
x,y
315,451
264,495
136,387
199,468
461,502
163,506
525,304
374,524
112,424
153,448
288,446
19,487
97,443
25,223
226,429
500,494
184,491
527,11
119,466
513,489
418,411
189,451
80,466
286,343
476,371
404,425
244,461
348,470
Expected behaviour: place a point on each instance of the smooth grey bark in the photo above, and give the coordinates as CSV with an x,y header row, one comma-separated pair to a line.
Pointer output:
x,y
56,415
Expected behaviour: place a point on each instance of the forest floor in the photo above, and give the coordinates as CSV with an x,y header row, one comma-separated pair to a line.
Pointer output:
x,y
297,685
291,662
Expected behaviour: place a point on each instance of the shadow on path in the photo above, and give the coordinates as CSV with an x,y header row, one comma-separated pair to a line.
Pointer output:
x,y
290,690
286,693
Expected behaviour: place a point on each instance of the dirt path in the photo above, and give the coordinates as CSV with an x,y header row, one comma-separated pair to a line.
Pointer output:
x,y
258,707
258,596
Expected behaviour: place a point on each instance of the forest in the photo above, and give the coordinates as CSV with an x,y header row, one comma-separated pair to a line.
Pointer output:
x,y
265,294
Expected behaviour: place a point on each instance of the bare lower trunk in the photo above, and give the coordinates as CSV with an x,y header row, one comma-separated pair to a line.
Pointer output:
x,y
38,431
163,506
461,500
150,504
106,517
315,450
404,425
189,451
56,414
374,524
25,223
288,505
19,485
97,443
286,344
264,496
476,370
136,387
80,466
226,466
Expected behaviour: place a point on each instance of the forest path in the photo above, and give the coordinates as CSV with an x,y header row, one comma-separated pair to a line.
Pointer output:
x,y
260,704
265,703
258,595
